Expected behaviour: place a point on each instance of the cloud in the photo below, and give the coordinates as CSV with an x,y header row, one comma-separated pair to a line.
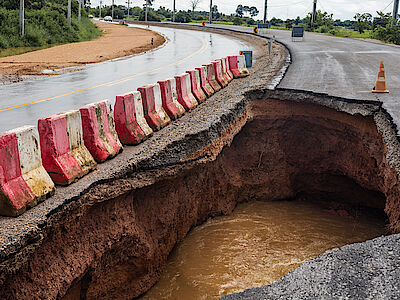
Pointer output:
x,y
341,9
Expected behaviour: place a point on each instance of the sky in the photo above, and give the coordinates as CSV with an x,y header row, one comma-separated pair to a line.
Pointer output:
x,y
283,9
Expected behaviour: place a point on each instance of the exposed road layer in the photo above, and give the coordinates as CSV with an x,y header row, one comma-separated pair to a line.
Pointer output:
x,y
117,41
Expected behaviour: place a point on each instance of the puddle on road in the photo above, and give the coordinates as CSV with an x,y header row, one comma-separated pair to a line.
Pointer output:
x,y
256,245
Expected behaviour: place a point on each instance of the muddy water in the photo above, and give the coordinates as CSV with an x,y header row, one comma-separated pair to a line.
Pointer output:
x,y
256,245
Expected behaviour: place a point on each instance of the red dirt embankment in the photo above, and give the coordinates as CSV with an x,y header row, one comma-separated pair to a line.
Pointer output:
x,y
117,41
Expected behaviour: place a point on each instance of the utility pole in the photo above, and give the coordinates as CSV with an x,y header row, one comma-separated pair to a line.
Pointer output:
x,y
69,12
112,10
79,9
128,7
173,13
265,11
210,11
314,14
396,9
147,10
21,17
101,2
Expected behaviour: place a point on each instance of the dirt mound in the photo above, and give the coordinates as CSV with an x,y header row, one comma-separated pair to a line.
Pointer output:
x,y
117,41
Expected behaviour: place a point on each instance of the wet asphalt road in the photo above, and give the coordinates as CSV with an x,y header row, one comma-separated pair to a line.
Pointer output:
x,y
25,102
339,67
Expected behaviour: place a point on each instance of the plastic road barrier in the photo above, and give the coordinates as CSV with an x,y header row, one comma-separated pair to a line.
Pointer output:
x,y
169,98
196,87
205,85
237,66
99,133
130,122
64,154
211,78
154,113
218,74
227,69
23,180
225,74
184,91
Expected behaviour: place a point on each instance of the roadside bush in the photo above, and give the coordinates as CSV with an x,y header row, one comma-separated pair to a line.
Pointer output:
x,y
324,29
183,17
250,22
151,16
237,21
390,33
43,27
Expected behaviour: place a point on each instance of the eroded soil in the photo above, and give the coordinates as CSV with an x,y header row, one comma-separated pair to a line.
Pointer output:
x,y
117,41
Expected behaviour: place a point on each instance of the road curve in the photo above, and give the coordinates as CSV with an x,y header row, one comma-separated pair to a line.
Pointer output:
x,y
25,102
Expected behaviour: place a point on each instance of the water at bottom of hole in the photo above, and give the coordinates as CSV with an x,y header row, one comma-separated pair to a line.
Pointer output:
x,y
256,245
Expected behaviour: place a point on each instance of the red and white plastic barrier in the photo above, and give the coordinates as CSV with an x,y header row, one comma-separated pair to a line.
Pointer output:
x,y
23,180
184,91
99,132
169,98
196,87
237,65
205,85
130,122
224,72
225,64
64,154
154,113
211,78
218,73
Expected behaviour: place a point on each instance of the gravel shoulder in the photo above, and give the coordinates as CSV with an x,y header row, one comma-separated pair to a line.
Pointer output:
x,y
116,41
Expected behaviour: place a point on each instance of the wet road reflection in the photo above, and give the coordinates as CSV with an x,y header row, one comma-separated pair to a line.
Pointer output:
x,y
25,102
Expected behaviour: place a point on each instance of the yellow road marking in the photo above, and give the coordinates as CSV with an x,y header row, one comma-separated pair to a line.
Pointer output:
x,y
114,82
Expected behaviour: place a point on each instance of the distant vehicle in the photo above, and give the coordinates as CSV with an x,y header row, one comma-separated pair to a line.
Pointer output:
x,y
90,16
108,18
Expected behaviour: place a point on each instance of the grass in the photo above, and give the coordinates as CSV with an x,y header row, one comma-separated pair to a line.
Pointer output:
x,y
350,33
21,50
43,28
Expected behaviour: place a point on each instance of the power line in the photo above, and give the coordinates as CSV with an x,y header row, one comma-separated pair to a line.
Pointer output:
x,y
387,6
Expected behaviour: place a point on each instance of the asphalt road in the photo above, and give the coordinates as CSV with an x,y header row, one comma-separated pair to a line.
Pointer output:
x,y
339,67
25,102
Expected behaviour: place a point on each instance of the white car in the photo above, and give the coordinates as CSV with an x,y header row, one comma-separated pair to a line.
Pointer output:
x,y
108,19
90,16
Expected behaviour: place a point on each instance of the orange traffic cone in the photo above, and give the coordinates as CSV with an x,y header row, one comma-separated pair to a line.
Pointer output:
x,y
380,86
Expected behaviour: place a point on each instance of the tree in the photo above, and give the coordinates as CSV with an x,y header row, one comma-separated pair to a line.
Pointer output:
x,y
382,19
118,13
253,11
246,9
237,21
363,22
167,13
289,23
239,10
194,4
390,33
215,12
183,17
321,19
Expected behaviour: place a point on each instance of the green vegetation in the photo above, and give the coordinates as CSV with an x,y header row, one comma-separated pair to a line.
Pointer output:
x,y
163,14
364,25
45,24
383,27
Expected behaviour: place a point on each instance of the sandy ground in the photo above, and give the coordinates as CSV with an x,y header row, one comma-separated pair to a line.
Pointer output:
x,y
117,41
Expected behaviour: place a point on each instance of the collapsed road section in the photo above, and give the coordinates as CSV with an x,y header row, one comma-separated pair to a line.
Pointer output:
x,y
109,234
